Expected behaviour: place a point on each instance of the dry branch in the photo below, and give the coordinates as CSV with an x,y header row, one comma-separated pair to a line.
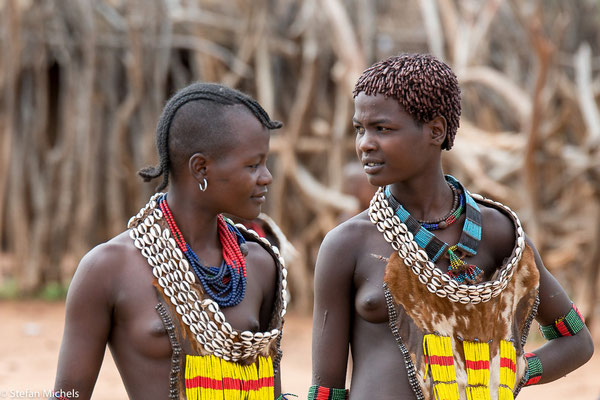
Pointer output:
x,y
435,38
587,100
82,86
517,99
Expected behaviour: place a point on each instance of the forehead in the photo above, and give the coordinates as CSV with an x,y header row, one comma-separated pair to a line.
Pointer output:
x,y
368,107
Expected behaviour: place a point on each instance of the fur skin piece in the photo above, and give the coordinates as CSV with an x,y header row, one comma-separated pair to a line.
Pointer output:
x,y
503,317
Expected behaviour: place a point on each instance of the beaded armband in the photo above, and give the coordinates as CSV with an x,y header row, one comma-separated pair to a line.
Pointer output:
x,y
324,393
568,325
534,369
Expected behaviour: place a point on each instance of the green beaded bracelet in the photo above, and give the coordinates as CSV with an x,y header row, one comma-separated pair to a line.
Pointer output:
x,y
324,393
568,325
534,369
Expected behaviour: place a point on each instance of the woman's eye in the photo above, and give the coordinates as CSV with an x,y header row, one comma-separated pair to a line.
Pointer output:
x,y
382,129
359,130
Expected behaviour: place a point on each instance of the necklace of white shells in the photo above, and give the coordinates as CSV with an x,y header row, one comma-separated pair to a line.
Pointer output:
x,y
402,240
202,315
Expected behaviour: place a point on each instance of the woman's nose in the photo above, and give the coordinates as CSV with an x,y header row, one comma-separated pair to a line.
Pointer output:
x,y
265,177
365,142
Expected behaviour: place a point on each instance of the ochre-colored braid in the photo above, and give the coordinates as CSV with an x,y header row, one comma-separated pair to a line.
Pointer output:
x,y
424,86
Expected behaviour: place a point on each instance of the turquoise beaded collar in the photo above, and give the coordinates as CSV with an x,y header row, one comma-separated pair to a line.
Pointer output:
x,y
434,247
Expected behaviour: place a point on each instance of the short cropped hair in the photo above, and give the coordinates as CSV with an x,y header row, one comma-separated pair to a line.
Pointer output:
x,y
424,86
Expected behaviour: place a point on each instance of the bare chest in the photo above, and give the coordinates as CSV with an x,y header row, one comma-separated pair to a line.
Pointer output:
x,y
369,302
139,327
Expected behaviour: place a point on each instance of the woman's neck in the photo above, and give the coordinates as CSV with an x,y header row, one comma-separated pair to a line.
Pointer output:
x,y
425,198
197,223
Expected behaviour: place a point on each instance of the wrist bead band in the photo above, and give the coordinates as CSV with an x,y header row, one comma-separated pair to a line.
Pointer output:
x,y
568,325
324,393
534,369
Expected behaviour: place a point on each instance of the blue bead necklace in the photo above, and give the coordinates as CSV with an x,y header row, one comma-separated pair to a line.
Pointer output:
x,y
435,248
225,284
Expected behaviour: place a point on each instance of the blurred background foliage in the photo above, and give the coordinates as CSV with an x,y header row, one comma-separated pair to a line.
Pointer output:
x,y
82,84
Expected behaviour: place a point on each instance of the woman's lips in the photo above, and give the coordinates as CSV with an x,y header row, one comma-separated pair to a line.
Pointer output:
x,y
372,167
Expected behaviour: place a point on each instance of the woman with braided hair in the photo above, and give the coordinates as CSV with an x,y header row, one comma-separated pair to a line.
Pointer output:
x,y
190,304
435,287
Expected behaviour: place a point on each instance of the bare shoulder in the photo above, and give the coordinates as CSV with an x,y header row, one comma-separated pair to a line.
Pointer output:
x,y
110,254
342,245
498,228
100,268
259,257
350,232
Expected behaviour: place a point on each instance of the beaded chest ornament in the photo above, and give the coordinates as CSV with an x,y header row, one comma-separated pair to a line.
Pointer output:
x,y
403,241
225,284
434,247
232,364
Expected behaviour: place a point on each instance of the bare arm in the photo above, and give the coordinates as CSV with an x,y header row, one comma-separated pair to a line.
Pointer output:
x,y
261,265
278,382
332,309
266,269
564,354
268,274
87,325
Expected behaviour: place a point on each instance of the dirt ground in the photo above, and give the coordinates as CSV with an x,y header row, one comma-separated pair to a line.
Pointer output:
x,y
32,332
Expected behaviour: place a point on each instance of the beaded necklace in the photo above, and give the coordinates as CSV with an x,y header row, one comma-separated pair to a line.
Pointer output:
x,y
435,248
458,206
225,284
396,233
203,316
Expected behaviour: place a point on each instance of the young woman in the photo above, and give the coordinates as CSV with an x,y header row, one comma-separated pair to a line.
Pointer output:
x,y
190,305
433,289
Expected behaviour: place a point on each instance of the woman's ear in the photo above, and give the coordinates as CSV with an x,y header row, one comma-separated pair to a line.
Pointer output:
x,y
437,127
197,164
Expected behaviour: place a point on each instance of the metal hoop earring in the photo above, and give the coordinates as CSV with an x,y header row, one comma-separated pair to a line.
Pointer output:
x,y
203,185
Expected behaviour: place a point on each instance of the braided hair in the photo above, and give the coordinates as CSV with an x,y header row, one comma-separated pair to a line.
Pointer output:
x,y
197,113
424,86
